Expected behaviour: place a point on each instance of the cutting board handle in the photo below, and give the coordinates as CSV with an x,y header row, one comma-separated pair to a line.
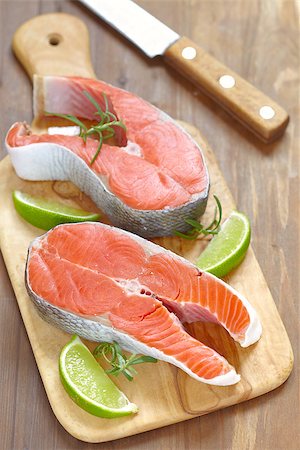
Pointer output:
x,y
54,44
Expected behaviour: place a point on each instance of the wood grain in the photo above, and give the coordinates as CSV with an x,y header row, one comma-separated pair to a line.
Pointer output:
x,y
54,44
163,393
182,397
259,40
242,100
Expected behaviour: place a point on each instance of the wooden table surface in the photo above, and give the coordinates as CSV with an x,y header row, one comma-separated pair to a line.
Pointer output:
x,y
259,39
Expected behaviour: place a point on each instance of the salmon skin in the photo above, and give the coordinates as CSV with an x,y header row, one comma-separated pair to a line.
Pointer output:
x,y
148,181
106,284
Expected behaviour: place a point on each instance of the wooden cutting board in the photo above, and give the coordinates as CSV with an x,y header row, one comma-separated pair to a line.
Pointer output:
x,y
59,44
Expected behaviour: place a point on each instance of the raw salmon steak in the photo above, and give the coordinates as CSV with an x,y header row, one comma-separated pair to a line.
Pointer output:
x,y
106,284
151,178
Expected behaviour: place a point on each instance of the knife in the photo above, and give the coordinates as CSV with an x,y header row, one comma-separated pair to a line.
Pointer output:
x,y
265,118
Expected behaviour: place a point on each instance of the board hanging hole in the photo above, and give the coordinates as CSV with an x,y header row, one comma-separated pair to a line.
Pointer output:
x,y
54,39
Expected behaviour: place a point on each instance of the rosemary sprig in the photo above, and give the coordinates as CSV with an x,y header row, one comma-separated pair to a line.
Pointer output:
x,y
120,363
103,129
198,228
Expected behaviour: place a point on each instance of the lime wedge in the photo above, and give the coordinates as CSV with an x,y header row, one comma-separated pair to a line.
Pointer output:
x,y
46,214
228,248
88,385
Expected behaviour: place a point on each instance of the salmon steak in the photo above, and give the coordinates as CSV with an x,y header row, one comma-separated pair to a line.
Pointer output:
x,y
148,180
106,284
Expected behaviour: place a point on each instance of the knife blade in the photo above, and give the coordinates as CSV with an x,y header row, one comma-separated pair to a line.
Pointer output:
x,y
259,113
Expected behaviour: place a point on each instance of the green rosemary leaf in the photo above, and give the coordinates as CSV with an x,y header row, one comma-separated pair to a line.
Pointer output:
x,y
93,101
198,229
104,129
114,371
119,362
143,359
105,101
112,115
68,117
98,150
198,226
131,358
107,130
116,347
191,236
128,374
219,206
214,221
121,124
208,232
113,353
109,134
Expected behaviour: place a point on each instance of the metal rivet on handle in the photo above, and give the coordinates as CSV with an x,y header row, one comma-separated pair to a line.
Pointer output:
x,y
267,112
227,81
189,53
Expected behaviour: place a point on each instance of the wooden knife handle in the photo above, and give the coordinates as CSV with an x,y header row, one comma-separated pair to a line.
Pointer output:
x,y
247,104
54,44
